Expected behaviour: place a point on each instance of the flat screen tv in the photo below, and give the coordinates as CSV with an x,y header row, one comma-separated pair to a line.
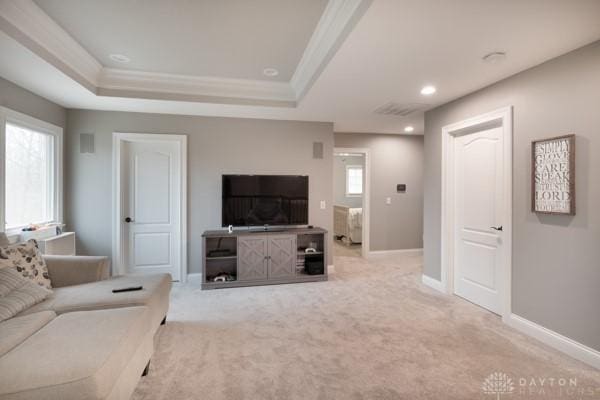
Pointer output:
x,y
257,200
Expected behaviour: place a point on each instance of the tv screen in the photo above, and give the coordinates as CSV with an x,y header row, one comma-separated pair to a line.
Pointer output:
x,y
252,200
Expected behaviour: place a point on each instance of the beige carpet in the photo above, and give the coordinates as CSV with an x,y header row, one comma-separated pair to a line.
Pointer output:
x,y
341,249
372,332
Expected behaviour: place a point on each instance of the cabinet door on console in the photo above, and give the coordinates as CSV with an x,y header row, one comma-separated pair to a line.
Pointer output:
x,y
252,258
282,256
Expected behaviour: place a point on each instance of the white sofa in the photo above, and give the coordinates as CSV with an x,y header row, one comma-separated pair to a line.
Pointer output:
x,y
83,342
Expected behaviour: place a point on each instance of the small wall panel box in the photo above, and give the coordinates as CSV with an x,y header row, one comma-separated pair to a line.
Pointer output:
x,y
401,187
318,150
86,143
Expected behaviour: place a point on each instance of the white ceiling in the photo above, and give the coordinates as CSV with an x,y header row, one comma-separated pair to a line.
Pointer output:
x,y
232,39
395,48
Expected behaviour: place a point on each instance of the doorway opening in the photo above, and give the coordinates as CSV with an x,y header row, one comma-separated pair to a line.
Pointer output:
x,y
351,202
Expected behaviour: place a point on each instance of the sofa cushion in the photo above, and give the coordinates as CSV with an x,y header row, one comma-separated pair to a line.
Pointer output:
x,y
98,295
77,356
27,259
18,293
16,330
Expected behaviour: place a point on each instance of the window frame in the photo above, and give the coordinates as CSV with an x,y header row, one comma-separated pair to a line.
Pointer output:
x,y
8,116
362,188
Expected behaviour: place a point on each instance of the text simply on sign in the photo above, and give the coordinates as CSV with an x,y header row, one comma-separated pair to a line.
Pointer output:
x,y
553,175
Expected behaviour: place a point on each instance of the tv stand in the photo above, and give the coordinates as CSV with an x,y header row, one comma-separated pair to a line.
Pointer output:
x,y
263,257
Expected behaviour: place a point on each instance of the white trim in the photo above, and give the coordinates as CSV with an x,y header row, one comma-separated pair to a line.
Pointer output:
x,y
118,138
366,203
126,83
27,23
26,121
504,116
433,283
395,252
336,23
555,340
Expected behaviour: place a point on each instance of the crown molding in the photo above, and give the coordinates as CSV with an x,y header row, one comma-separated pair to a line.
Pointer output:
x,y
28,24
127,83
336,23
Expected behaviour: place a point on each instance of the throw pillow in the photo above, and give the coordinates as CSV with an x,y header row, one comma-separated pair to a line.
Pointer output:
x,y
18,293
27,260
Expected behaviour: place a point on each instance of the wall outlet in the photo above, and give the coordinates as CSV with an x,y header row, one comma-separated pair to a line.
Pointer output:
x,y
323,205
388,200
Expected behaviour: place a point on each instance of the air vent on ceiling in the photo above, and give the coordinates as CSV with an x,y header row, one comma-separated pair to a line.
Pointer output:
x,y
401,110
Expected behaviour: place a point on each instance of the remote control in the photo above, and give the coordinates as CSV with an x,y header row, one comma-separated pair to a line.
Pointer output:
x,y
128,289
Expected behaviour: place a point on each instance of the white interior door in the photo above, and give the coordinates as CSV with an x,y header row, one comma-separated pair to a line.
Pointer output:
x,y
479,214
151,201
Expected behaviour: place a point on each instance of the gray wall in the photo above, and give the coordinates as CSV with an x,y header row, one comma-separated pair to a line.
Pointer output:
x,y
394,159
339,180
215,146
18,99
556,259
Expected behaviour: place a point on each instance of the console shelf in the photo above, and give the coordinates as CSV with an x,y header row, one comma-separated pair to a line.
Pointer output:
x,y
251,258
222,258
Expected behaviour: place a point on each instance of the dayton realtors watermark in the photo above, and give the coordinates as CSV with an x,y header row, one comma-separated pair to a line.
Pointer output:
x,y
501,385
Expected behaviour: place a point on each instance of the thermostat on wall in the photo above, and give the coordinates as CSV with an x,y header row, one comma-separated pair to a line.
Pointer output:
x,y
401,187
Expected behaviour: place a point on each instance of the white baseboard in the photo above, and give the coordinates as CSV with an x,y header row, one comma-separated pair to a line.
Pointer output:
x,y
393,252
433,283
562,343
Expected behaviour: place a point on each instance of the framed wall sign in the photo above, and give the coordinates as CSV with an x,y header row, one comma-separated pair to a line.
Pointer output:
x,y
553,175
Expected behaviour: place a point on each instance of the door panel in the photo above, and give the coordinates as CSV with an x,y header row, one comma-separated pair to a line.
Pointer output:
x,y
282,256
478,264
478,177
152,248
252,258
151,176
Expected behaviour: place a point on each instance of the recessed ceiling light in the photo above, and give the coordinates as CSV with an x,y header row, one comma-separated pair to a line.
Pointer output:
x,y
409,129
494,57
427,90
120,58
270,72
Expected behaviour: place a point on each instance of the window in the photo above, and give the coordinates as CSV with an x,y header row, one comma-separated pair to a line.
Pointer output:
x,y
30,188
354,180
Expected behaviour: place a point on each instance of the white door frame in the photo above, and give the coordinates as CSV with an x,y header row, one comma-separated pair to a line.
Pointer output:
x,y
119,265
366,195
498,118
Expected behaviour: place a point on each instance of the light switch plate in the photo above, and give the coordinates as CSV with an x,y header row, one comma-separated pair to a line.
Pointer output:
x,y
388,200
323,204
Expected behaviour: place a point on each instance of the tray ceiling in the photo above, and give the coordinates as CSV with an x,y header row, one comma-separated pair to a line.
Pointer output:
x,y
231,39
